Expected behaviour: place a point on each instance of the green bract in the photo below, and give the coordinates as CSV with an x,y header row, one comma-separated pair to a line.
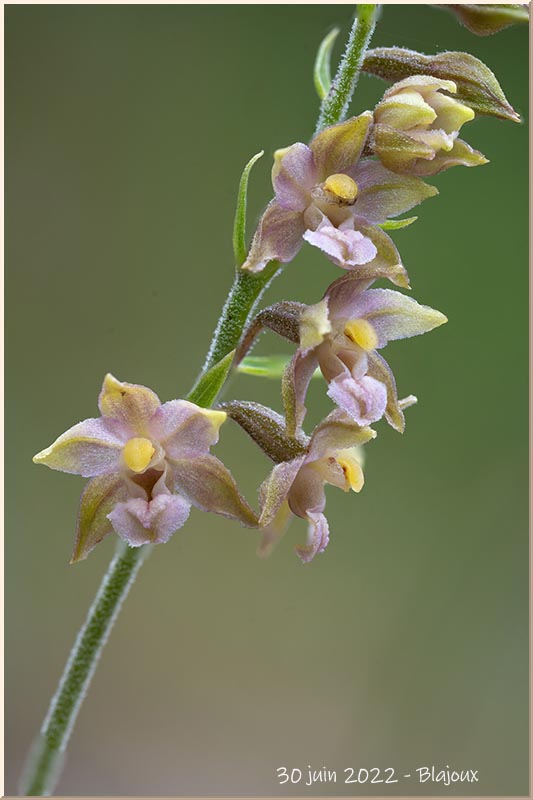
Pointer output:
x,y
477,85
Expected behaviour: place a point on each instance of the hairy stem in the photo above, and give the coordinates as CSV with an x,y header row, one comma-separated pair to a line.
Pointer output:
x,y
244,296
46,756
334,107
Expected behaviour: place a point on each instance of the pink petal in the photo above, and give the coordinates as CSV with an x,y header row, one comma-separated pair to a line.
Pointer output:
x,y
150,522
294,386
364,399
275,488
90,448
384,194
210,486
307,492
317,537
184,429
394,315
337,431
278,237
343,294
129,403
344,246
293,176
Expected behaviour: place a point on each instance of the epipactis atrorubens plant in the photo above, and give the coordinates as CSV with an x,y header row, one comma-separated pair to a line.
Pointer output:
x,y
149,463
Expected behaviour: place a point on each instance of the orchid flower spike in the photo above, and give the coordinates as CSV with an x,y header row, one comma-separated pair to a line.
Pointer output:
x,y
329,196
148,463
417,125
295,486
342,335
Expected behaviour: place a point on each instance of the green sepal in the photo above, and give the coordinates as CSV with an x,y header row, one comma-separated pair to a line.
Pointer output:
x,y
477,85
322,68
209,384
240,250
98,499
396,224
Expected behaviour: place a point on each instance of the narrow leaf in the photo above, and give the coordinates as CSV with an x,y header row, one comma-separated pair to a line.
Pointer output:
x,y
267,366
322,68
396,224
477,85
264,366
209,384
239,226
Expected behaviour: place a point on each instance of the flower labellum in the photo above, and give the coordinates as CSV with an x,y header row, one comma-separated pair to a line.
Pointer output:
x,y
342,335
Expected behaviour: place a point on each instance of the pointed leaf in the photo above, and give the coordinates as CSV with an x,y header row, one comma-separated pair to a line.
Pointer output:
x,y
322,69
267,366
209,384
239,226
397,224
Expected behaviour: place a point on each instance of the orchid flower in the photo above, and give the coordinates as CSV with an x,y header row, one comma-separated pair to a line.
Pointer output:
x,y
329,196
416,127
295,486
148,463
342,335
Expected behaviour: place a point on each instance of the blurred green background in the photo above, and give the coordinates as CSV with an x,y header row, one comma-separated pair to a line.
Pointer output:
x,y
405,644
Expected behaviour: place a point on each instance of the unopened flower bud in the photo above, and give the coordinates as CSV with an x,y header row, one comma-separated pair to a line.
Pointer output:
x,y
417,127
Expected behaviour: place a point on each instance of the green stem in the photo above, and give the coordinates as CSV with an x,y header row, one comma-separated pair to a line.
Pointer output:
x,y
46,756
242,300
334,107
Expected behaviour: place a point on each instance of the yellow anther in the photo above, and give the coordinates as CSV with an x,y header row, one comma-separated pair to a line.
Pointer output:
x,y
342,187
138,453
347,460
363,333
